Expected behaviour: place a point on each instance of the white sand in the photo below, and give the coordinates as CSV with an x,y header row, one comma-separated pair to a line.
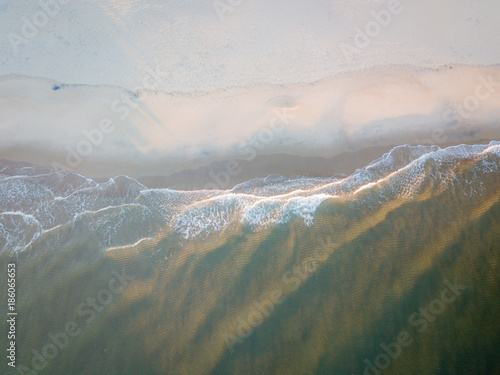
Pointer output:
x,y
209,88
279,41
168,133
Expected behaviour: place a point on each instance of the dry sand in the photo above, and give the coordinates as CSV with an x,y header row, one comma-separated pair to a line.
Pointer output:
x,y
102,131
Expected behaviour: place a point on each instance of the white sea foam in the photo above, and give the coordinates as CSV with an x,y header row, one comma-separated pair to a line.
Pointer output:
x,y
18,231
121,211
188,86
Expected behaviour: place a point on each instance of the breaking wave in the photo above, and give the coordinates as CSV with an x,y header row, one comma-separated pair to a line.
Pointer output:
x,y
36,201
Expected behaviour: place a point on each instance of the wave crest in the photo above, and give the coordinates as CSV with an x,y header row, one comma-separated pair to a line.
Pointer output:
x,y
121,211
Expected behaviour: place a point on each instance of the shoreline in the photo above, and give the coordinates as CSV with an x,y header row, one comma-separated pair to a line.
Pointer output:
x,y
223,175
179,139
226,174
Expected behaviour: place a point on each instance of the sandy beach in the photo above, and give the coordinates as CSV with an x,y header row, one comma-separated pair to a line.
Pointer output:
x,y
236,187
155,90
102,132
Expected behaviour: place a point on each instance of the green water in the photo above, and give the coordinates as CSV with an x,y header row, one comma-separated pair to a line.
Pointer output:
x,y
418,277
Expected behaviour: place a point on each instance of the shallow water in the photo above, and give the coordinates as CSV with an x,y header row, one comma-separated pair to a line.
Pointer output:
x,y
393,269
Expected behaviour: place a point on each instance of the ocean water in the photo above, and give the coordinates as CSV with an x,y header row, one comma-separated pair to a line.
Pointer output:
x,y
391,270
